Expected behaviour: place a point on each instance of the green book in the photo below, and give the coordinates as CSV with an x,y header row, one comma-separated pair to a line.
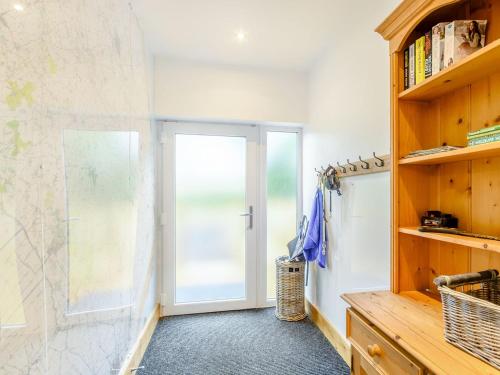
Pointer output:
x,y
490,129
483,140
489,134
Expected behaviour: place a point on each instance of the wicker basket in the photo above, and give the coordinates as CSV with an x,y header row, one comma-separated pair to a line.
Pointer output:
x,y
471,313
289,290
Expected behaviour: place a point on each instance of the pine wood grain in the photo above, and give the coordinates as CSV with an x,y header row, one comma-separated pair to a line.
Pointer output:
x,y
468,153
477,243
413,321
386,358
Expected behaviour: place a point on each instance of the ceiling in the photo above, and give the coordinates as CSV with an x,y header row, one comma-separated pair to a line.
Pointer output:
x,y
281,34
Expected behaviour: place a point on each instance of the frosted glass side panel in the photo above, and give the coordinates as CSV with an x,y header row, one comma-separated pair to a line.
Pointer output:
x,y
101,178
281,199
210,182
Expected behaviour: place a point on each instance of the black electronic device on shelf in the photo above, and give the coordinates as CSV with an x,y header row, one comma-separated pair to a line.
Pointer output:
x,y
438,219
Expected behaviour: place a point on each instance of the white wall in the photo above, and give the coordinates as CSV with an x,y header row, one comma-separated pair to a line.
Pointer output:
x,y
349,116
207,91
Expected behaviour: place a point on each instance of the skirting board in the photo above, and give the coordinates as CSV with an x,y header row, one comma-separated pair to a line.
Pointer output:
x,y
340,343
135,357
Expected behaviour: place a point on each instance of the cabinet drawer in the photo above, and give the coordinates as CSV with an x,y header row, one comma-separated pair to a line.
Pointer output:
x,y
361,365
383,355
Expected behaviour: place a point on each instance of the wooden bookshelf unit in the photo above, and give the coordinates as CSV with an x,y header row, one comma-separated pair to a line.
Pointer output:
x,y
401,330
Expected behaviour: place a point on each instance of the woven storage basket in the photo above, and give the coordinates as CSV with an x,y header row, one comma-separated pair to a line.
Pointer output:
x,y
289,290
472,318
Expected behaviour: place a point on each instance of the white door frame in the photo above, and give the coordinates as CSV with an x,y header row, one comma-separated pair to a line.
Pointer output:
x,y
169,130
256,279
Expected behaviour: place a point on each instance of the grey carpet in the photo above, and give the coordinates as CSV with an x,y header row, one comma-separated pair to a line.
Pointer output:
x,y
240,342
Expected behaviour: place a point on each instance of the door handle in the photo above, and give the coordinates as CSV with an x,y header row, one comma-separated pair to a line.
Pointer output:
x,y
250,215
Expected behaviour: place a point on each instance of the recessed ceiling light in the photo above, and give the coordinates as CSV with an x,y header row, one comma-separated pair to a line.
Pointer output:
x,y
241,36
18,7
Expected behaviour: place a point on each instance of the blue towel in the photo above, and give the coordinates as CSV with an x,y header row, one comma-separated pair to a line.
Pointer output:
x,y
313,244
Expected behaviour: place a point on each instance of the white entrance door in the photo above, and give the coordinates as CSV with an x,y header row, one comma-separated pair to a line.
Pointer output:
x,y
210,208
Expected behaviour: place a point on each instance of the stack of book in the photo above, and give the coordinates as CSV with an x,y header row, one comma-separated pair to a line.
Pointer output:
x,y
483,136
445,44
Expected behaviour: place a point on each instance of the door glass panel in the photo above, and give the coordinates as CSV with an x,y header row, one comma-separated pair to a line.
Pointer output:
x,y
281,199
210,181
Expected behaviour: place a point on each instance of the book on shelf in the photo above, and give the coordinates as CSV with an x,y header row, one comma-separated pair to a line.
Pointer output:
x,y
461,38
470,137
444,44
428,54
485,135
484,140
406,68
484,131
431,151
438,47
419,60
411,65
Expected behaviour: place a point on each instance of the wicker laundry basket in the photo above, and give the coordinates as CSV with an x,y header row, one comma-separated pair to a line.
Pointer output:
x,y
471,313
290,289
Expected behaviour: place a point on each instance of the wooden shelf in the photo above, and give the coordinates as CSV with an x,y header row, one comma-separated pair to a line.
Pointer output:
x,y
440,110
467,153
477,243
414,320
474,67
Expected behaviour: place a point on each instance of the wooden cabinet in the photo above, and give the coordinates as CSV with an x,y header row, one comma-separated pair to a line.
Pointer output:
x,y
376,353
408,328
440,110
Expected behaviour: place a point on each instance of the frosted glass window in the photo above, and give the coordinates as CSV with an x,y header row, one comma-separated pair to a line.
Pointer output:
x,y
210,185
101,179
281,199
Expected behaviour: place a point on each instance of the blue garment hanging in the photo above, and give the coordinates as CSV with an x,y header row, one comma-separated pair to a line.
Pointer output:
x,y
316,241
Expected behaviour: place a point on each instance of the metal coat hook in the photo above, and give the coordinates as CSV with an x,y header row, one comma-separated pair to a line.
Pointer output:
x,y
329,170
381,164
365,164
352,167
342,168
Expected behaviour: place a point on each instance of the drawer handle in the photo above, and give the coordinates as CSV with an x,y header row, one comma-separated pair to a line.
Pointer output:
x,y
374,350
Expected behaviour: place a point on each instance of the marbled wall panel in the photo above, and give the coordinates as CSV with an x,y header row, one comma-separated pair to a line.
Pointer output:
x,y
22,324
70,65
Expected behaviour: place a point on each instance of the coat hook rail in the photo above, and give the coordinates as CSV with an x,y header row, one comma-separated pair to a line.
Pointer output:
x,y
376,164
